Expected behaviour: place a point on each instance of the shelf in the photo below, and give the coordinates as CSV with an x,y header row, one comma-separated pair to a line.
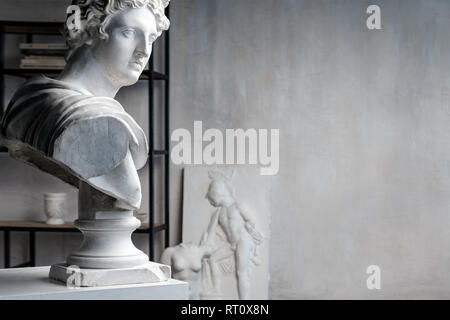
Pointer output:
x,y
160,152
155,152
32,27
17,72
34,224
67,227
156,75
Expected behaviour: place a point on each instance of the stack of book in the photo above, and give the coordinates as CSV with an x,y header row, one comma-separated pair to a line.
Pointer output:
x,y
43,55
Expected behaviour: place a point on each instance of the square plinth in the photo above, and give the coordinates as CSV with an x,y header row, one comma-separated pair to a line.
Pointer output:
x,y
73,276
34,284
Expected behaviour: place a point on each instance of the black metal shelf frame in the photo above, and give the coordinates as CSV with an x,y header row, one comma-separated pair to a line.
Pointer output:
x,y
54,28
25,73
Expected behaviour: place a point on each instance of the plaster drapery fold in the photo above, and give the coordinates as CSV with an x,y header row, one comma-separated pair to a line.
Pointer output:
x,y
73,129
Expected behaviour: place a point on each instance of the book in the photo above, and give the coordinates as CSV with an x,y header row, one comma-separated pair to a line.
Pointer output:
x,y
43,46
48,49
42,62
41,67
43,57
60,53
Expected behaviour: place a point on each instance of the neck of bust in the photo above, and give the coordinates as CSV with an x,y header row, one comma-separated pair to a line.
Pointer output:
x,y
83,70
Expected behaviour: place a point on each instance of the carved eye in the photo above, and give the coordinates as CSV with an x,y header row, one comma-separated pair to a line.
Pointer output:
x,y
129,33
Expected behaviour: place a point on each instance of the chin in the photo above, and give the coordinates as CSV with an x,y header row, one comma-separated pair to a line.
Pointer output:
x,y
130,78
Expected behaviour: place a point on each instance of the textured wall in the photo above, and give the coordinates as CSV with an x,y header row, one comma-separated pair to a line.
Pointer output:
x,y
364,141
364,132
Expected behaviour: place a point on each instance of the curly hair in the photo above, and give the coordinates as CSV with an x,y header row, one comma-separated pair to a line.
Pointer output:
x,y
95,15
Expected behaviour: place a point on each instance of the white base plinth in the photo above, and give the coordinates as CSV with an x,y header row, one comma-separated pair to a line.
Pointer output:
x,y
34,284
148,273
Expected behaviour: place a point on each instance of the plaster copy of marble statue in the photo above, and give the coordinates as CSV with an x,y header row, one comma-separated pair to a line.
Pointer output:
x,y
73,128
235,232
186,261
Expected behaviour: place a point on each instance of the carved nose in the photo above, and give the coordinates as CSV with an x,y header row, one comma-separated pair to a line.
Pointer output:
x,y
143,52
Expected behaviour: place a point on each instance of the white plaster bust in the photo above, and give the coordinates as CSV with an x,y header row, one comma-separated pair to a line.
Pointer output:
x,y
72,127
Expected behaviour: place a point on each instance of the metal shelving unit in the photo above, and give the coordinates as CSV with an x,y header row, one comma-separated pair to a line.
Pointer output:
x,y
29,29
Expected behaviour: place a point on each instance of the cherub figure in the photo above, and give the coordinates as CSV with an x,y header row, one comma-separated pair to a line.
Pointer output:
x,y
240,242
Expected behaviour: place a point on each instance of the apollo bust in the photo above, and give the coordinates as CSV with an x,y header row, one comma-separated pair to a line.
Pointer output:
x,y
72,127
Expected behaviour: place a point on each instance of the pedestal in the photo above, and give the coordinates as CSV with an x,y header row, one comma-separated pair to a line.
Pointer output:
x,y
107,242
34,284
106,232
73,276
107,255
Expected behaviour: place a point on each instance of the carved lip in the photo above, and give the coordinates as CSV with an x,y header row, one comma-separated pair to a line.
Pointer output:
x,y
137,63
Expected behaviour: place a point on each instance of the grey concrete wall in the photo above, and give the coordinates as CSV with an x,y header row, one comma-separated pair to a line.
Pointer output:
x,y
364,132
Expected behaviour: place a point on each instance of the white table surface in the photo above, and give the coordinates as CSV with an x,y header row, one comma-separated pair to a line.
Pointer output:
x,y
34,284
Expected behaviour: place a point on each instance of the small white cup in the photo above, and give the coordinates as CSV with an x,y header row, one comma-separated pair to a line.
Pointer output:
x,y
55,207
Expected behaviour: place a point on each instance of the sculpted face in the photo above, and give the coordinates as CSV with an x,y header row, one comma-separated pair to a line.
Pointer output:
x,y
218,194
123,57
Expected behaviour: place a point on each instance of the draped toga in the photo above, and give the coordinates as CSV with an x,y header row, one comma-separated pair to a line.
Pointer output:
x,y
66,131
